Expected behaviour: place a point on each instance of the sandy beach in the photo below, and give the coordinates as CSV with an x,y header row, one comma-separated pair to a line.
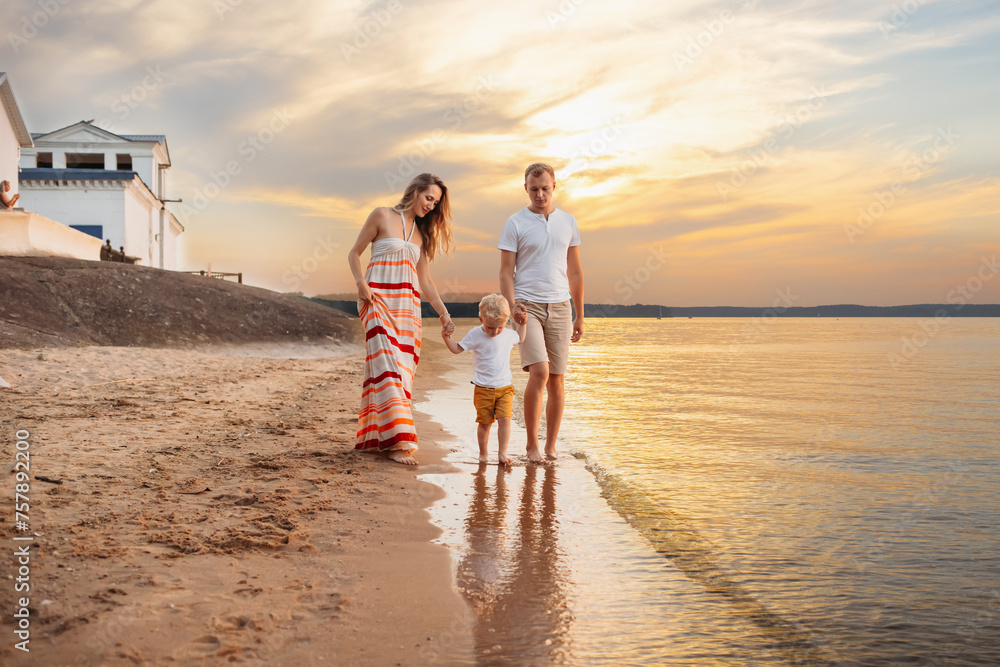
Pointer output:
x,y
207,506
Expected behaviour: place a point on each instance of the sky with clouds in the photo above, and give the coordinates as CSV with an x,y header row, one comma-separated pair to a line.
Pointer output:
x,y
713,153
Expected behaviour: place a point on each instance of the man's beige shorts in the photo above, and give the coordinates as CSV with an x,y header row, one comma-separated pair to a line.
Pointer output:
x,y
550,326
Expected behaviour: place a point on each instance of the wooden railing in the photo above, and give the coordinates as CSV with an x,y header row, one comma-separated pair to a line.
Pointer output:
x,y
221,275
109,254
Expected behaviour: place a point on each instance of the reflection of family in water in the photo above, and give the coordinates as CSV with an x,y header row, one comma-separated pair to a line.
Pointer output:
x,y
512,574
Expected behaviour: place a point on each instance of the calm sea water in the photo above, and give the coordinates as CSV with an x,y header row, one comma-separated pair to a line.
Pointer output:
x,y
790,491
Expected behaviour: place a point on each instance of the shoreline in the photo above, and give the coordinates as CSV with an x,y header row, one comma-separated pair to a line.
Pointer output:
x,y
212,509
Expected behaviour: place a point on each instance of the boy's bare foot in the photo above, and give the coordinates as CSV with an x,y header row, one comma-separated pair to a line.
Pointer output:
x,y
535,456
402,456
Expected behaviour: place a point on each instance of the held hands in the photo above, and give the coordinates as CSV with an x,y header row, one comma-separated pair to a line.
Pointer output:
x,y
446,330
520,313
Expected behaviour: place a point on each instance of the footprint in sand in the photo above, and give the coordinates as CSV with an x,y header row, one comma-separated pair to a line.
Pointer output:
x,y
316,606
234,623
248,592
226,653
201,647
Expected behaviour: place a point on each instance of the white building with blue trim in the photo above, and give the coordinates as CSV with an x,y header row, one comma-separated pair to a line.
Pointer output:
x,y
111,186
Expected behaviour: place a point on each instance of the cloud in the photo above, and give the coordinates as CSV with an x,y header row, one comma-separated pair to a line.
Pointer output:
x,y
744,135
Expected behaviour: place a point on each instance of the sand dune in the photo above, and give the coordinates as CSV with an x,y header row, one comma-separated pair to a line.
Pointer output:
x,y
54,301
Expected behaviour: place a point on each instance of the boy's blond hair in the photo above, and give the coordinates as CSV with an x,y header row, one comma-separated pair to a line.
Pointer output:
x,y
537,169
494,307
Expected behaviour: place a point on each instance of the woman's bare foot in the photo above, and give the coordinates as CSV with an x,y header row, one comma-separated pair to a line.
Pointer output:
x,y
550,454
535,456
402,456
484,458
503,460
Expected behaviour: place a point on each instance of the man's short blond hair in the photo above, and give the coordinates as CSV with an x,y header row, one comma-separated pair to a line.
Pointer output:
x,y
494,307
537,169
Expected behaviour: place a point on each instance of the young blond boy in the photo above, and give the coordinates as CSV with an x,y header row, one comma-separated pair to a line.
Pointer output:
x,y
490,344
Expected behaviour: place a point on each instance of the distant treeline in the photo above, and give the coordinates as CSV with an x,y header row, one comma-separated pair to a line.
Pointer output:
x,y
456,310
844,310
470,309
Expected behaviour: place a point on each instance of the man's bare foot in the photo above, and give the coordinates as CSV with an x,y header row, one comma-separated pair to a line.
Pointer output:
x,y
402,456
535,456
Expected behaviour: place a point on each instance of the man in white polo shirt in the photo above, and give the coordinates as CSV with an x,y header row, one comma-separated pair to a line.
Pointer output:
x,y
540,270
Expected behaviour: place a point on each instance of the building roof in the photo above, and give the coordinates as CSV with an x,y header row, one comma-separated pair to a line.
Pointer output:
x,y
156,138
145,138
44,174
13,112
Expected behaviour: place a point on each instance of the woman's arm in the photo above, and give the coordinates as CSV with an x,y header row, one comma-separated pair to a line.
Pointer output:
x,y
8,203
367,234
430,291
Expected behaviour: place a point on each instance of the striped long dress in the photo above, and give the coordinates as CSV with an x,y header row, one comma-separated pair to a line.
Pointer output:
x,y
392,333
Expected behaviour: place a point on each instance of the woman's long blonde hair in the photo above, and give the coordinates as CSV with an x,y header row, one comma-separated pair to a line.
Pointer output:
x,y
435,227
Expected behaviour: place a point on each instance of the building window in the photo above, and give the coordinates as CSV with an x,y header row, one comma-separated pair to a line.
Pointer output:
x,y
43,160
124,162
85,160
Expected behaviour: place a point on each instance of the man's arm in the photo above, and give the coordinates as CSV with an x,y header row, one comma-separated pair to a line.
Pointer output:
x,y
508,260
574,272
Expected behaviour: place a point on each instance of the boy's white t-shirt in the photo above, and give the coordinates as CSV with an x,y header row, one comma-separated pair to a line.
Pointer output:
x,y
490,356
541,246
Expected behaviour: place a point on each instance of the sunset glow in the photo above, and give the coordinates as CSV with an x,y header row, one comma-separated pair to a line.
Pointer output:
x,y
846,151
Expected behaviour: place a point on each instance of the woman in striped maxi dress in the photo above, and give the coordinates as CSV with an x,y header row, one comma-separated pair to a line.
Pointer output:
x,y
404,240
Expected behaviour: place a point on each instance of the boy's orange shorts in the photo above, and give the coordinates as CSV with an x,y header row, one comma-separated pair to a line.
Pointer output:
x,y
492,403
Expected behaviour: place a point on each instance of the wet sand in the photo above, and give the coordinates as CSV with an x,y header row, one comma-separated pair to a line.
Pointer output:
x,y
212,509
